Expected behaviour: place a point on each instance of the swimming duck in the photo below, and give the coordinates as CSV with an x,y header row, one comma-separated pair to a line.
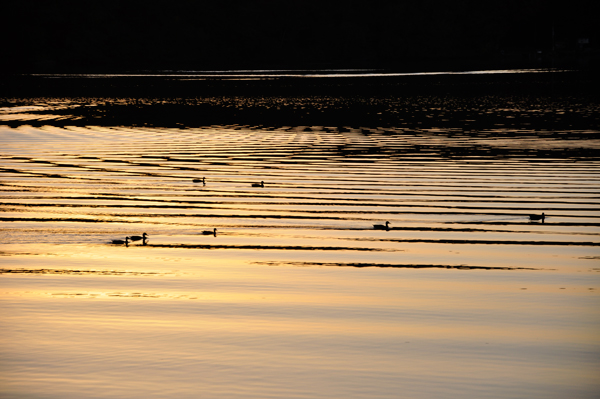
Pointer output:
x,y
137,238
261,184
125,241
209,232
385,226
203,181
535,218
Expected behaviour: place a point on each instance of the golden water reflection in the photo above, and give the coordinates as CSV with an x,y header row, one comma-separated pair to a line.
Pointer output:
x,y
221,324
297,295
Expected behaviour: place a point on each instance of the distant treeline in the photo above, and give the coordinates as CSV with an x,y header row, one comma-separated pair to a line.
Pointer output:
x,y
110,35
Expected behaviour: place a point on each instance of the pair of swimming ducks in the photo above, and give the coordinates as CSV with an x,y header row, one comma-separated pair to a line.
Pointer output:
x,y
132,238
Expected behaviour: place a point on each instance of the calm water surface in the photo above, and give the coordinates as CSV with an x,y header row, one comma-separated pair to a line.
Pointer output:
x,y
297,295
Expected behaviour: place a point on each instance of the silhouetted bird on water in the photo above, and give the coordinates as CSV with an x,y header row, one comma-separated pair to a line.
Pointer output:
x,y
385,226
125,241
209,232
203,181
261,184
137,238
535,218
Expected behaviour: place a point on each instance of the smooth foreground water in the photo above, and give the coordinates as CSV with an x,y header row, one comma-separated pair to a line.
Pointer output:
x,y
297,295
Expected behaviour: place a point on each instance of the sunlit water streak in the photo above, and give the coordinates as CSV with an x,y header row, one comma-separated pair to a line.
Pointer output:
x,y
282,74
297,295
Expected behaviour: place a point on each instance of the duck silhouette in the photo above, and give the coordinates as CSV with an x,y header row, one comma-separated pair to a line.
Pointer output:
x,y
385,226
536,218
203,181
261,184
137,238
210,232
120,242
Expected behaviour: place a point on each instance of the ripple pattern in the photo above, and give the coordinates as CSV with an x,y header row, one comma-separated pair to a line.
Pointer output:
x,y
324,189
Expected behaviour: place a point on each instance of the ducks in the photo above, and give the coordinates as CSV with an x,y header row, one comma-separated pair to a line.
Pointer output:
x,y
209,232
261,184
121,242
127,240
537,218
137,238
385,226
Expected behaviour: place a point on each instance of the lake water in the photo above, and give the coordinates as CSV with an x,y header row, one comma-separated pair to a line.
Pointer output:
x,y
297,295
